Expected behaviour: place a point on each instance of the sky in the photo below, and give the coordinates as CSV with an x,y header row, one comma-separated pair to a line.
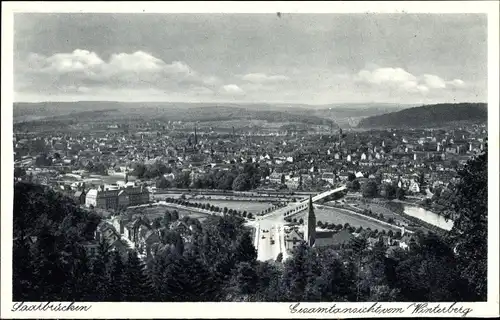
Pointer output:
x,y
292,58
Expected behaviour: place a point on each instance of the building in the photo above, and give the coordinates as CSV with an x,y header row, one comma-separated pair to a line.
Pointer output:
x,y
292,239
117,198
79,197
331,238
328,177
137,195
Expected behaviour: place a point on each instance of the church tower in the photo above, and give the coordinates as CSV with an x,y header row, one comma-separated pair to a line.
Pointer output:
x,y
195,137
310,228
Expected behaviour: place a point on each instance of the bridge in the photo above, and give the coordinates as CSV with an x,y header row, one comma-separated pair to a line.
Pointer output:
x,y
296,207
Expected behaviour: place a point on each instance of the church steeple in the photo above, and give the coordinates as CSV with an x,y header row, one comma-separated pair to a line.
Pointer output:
x,y
195,137
310,230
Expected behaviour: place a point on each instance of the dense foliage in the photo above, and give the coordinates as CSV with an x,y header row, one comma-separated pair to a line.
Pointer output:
x,y
429,115
239,179
219,264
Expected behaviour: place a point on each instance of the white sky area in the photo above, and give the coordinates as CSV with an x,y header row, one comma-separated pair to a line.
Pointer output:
x,y
298,58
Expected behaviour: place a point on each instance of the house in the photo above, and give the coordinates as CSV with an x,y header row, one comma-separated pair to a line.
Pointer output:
x,y
275,177
79,197
106,232
343,176
292,239
91,248
181,227
331,238
146,240
328,177
414,187
292,183
133,229
406,241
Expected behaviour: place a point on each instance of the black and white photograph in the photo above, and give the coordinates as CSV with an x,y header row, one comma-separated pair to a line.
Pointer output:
x,y
281,156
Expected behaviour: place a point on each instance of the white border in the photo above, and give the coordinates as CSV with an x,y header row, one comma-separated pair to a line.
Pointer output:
x,y
242,310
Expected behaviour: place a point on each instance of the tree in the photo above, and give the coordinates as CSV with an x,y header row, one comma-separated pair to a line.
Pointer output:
x,y
163,183
469,235
167,218
116,278
283,178
245,250
359,245
246,278
137,283
400,193
298,273
388,191
355,185
351,176
279,258
250,215
301,221
19,172
370,189
187,279
175,215
241,183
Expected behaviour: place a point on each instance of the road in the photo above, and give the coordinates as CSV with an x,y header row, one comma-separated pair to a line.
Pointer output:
x,y
267,230
271,227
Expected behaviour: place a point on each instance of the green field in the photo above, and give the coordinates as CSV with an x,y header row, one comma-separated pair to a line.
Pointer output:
x,y
249,206
333,215
158,211
380,209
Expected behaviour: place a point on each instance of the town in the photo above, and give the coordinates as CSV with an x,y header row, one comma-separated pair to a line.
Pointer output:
x,y
119,169
267,157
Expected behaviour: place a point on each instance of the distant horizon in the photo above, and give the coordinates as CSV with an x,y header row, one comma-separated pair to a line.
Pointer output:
x,y
250,103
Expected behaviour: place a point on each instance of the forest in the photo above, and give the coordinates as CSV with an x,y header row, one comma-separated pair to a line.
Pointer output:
x,y
219,264
429,116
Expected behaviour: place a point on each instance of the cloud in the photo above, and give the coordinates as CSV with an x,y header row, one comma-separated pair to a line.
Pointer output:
x,y
457,83
386,76
232,89
84,69
400,79
263,78
434,82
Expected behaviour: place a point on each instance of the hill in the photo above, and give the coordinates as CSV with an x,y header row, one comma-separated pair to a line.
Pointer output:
x,y
344,115
429,116
32,114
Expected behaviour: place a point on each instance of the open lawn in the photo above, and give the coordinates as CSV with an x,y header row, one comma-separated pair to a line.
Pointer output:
x,y
379,209
333,215
158,211
249,206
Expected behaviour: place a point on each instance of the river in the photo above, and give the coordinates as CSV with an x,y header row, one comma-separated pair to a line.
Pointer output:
x,y
428,216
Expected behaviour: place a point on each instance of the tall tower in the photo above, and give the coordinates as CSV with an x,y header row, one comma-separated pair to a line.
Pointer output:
x,y
310,229
195,137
